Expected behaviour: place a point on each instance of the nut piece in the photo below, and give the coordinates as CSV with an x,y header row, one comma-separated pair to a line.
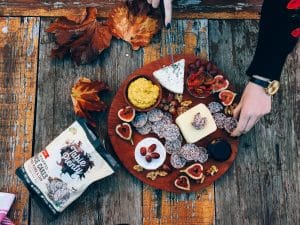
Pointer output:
x,y
154,174
229,109
138,168
212,171
179,97
186,103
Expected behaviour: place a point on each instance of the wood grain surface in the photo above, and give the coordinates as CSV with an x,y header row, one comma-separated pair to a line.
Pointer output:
x,y
160,207
264,181
18,68
262,187
118,199
184,9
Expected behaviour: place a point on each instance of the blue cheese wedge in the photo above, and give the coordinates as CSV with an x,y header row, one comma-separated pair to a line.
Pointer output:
x,y
189,132
172,77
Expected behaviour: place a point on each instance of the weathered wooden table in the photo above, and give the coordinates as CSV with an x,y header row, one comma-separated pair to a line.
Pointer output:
x,y
263,185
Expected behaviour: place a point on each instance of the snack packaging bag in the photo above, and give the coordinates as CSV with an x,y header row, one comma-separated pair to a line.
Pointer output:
x,y
60,173
6,200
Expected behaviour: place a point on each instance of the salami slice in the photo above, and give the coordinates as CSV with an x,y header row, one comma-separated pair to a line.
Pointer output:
x,y
230,124
155,115
177,161
146,129
173,146
171,132
215,107
190,152
158,127
219,119
140,120
203,156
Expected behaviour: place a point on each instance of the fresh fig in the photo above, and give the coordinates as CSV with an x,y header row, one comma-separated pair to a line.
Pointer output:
x,y
183,183
126,114
194,171
220,83
124,131
227,97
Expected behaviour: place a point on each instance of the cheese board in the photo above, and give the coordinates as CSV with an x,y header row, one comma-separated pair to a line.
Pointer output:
x,y
179,171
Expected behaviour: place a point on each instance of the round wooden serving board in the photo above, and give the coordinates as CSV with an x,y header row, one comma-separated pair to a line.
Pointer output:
x,y
125,151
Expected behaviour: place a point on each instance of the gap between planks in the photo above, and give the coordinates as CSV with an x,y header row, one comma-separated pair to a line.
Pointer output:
x,y
161,207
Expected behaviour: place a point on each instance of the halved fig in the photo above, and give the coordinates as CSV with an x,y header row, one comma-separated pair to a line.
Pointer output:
x,y
227,97
126,114
125,132
194,171
183,183
220,83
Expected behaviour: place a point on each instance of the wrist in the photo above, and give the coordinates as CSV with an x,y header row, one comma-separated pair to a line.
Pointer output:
x,y
270,87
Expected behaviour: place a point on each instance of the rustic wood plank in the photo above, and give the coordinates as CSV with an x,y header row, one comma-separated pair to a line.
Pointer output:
x,y
18,67
117,200
209,9
263,187
160,207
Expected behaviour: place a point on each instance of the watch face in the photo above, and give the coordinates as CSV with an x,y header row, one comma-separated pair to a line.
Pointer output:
x,y
273,87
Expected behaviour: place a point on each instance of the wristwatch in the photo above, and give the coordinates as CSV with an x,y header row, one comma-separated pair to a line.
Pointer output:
x,y
270,87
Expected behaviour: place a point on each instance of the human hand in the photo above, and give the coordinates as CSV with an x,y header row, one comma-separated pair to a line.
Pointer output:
x,y
167,6
254,104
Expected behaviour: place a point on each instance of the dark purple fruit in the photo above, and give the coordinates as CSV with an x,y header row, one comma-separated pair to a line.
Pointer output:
x,y
143,151
219,150
155,155
148,158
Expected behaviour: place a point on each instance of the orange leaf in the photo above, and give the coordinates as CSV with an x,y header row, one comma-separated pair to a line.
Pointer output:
x,y
85,98
137,29
84,39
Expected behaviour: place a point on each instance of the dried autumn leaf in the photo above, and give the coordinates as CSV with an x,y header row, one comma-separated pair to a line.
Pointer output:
x,y
136,28
85,98
84,39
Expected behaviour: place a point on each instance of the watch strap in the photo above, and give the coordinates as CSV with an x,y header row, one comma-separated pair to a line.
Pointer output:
x,y
260,82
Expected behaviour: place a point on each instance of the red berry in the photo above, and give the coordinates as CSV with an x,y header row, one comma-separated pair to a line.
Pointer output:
x,y
143,151
152,148
155,155
148,158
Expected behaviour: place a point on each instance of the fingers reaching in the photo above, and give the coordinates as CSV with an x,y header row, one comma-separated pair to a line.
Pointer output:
x,y
149,1
237,110
155,3
251,123
242,124
168,11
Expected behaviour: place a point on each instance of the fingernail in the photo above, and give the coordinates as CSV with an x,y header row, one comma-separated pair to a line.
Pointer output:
x,y
168,26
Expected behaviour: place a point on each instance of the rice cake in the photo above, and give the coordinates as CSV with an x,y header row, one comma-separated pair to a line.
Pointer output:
x,y
184,122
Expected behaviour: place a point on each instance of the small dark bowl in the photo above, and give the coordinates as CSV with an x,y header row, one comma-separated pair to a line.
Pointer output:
x,y
154,81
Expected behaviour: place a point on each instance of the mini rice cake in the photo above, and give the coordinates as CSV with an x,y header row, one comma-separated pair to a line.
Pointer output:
x,y
190,133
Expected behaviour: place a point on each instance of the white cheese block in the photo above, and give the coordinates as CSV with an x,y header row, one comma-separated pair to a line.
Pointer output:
x,y
172,77
184,122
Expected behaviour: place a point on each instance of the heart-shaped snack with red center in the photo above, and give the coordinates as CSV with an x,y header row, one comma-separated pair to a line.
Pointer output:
x,y
124,131
194,171
126,114
183,183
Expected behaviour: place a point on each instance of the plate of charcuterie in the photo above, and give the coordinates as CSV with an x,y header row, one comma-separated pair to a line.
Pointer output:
x,y
170,124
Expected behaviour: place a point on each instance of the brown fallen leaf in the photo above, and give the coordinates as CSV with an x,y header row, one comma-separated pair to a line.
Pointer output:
x,y
84,39
133,24
85,98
